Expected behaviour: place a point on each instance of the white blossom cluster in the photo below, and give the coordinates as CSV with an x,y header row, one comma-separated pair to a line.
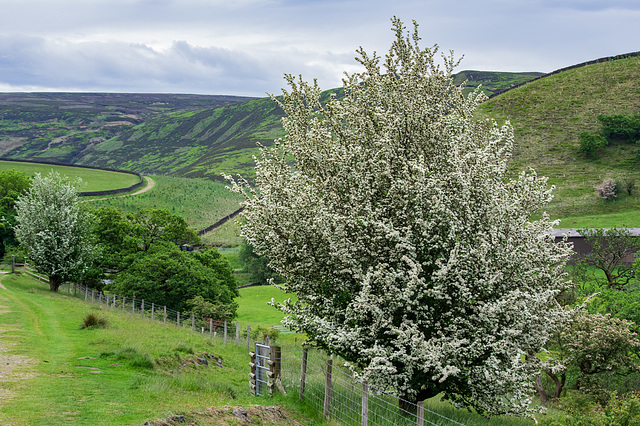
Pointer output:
x,y
53,228
391,215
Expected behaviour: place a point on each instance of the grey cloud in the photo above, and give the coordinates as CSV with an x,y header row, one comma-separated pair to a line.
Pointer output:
x,y
117,66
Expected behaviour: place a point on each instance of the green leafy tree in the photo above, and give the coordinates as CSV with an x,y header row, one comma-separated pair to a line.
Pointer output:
x,y
391,214
609,249
121,236
54,229
168,276
590,143
597,346
618,126
12,185
257,266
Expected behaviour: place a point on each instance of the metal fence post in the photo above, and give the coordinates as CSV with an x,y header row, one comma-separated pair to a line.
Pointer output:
x,y
252,375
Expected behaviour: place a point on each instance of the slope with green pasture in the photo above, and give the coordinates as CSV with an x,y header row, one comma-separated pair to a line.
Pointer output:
x,y
134,370
92,179
548,114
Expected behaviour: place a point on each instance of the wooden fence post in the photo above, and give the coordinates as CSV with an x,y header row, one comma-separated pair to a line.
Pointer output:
x,y
193,323
365,403
124,300
237,333
165,314
178,319
303,373
248,336
133,305
152,310
86,293
93,295
327,390
13,263
142,308
420,413
210,328
225,332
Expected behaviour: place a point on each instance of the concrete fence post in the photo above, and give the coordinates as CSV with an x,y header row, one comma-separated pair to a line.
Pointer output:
x,y
365,403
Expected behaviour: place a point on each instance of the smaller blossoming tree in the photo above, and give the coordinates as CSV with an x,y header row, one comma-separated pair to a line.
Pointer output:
x,y
53,228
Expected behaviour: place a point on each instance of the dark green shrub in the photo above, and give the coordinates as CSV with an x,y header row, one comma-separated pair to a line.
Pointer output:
x,y
590,143
93,320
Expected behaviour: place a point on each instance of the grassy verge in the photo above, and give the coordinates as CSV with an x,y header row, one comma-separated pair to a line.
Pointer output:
x,y
130,372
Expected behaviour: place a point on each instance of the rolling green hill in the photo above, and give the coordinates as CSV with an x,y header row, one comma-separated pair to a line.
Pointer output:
x,y
62,126
181,135
549,113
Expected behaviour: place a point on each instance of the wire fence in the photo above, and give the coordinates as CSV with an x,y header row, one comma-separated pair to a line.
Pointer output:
x,y
328,387
331,389
229,332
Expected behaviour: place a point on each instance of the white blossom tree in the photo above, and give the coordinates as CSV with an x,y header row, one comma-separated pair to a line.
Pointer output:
x,y
391,215
53,228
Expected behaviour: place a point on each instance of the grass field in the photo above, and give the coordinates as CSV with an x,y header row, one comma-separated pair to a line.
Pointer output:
x,y
201,202
133,371
92,179
136,370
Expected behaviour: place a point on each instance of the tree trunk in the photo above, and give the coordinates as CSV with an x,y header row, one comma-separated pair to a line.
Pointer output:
x,y
54,283
559,386
544,398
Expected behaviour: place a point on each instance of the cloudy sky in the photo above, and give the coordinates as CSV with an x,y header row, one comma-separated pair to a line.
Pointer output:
x,y
243,47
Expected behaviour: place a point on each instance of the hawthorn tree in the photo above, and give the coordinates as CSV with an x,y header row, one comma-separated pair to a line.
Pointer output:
x,y
610,248
414,256
598,347
53,228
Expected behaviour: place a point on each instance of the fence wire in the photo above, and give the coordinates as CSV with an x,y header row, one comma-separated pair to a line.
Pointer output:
x,y
344,404
347,395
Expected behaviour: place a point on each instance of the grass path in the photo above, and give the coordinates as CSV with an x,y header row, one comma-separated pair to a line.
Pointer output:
x,y
53,372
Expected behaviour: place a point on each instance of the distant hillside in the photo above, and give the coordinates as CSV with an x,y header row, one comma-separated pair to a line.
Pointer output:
x,y
182,135
61,126
199,143
494,82
549,113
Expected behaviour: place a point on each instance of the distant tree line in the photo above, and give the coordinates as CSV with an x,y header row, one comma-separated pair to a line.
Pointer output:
x,y
131,254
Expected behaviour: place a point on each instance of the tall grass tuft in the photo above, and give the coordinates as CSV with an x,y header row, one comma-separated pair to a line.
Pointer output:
x,y
93,320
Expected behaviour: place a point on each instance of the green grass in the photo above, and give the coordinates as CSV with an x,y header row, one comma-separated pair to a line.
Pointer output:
x,y
548,115
201,202
254,310
130,372
92,179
